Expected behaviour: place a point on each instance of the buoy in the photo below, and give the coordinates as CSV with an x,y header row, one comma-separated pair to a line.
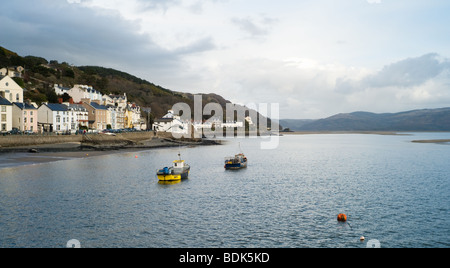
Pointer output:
x,y
342,218
136,156
362,239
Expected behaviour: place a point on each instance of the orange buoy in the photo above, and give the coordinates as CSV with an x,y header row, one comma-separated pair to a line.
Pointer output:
x,y
342,218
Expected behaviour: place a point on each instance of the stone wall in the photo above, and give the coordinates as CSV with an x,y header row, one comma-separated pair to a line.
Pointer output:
x,y
22,141
18,141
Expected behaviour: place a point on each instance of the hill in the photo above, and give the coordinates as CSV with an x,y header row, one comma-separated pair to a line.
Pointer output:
x,y
41,75
416,120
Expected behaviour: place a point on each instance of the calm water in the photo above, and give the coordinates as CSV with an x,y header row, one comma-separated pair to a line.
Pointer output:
x,y
391,189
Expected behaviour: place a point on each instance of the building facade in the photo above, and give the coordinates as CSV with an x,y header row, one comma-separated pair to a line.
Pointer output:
x,y
97,114
54,118
10,90
25,117
5,115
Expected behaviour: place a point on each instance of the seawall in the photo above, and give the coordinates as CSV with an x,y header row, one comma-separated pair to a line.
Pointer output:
x,y
35,140
136,140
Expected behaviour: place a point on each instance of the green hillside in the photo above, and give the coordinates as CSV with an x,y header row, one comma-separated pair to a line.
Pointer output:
x,y
41,75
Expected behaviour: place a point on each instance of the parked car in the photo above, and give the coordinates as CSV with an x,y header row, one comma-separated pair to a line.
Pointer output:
x,y
15,131
29,132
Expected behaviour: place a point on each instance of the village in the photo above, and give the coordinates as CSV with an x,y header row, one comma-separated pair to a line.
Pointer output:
x,y
86,111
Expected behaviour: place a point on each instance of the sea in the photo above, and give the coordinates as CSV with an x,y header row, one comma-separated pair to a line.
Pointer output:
x,y
394,192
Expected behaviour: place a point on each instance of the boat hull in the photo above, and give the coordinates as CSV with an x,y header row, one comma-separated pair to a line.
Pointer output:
x,y
173,177
235,166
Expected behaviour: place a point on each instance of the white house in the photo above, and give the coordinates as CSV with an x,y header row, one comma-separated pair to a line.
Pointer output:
x,y
171,123
60,90
80,92
78,116
5,115
117,106
54,118
10,90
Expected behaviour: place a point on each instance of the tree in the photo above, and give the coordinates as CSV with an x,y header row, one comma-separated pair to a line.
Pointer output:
x,y
67,72
51,96
66,97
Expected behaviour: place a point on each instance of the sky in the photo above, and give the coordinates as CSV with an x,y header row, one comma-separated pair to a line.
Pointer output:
x,y
316,58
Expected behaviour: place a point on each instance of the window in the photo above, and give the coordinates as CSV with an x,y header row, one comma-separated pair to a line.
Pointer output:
x,y
3,127
3,117
31,112
17,97
3,109
31,120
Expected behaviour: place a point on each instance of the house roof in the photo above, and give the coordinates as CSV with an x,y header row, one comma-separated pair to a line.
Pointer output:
x,y
57,107
77,107
98,106
25,106
4,101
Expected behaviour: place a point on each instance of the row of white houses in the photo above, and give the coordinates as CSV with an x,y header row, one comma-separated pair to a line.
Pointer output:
x,y
172,123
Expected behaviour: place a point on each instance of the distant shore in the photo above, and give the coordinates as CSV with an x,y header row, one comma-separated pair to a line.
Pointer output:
x,y
432,141
389,133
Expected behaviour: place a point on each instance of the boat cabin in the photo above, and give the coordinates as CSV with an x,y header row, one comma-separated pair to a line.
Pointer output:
x,y
178,164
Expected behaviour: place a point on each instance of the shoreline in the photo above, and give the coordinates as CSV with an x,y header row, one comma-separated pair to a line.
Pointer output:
x,y
432,141
385,133
17,156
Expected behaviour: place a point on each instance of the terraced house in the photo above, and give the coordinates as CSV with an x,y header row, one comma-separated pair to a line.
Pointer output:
x,y
25,117
54,118
98,115
5,115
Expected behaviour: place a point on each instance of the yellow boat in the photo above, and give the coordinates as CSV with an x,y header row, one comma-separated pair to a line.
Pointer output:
x,y
179,171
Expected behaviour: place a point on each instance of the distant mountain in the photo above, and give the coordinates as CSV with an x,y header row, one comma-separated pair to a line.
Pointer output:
x,y
295,124
417,120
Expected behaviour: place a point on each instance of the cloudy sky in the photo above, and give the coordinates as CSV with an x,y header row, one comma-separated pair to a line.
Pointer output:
x,y
315,58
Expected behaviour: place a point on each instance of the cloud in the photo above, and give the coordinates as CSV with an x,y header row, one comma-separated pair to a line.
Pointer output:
x,y
90,35
254,27
403,74
374,1
306,88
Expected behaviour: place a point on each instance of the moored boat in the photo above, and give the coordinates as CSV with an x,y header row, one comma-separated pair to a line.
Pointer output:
x,y
179,171
239,161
